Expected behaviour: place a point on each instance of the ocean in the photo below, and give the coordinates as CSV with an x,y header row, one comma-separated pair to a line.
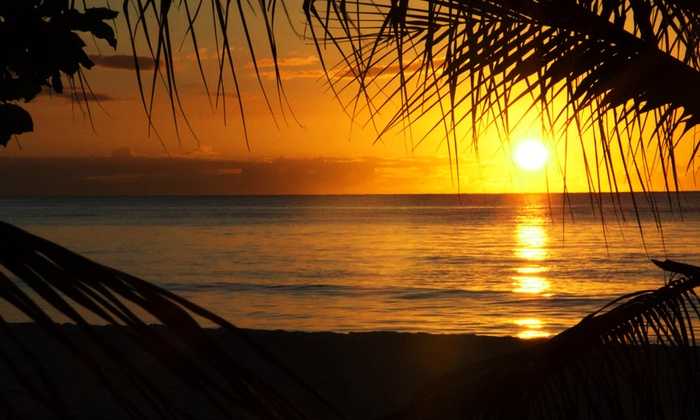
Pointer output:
x,y
520,265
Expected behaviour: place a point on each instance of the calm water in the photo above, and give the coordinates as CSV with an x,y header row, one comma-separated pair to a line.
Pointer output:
x,y
498,265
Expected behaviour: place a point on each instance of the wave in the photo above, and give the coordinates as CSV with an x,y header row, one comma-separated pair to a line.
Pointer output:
x,y
390,293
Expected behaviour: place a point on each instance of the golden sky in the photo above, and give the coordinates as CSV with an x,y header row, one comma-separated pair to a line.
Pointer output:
x,y
325,133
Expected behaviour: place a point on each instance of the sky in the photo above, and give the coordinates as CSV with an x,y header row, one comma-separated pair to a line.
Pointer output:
x,y
325,152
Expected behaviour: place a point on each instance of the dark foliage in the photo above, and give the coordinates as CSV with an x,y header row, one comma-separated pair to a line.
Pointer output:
x,y
615,80
636,358
43,280
39,47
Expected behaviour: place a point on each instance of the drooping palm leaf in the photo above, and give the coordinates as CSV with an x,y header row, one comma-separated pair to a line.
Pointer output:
x,y
43,280
150,29
636,358
44,46
624,73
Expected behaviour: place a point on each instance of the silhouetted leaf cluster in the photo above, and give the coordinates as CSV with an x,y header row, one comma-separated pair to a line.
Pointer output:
x,y
42,279
635,358
150,29
40,45
622,75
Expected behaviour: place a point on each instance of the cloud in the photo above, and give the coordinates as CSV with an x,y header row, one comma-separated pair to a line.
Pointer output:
x,y
291,67
380,71
78,95
122,61
204,54
124,174
202,151
90,97
289,62
293,74
307,67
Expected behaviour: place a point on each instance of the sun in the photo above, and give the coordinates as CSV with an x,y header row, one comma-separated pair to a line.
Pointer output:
x,y
530,155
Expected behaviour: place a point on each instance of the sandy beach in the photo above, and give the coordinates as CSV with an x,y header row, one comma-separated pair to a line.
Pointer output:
x,y
365,375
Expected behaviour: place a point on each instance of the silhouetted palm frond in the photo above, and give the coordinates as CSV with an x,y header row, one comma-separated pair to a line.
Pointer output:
x,y
636,358
44,46
150,29
623,72
45,281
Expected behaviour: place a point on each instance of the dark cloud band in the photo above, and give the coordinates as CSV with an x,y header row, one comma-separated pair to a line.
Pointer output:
x,y
79,95
124,174
123,62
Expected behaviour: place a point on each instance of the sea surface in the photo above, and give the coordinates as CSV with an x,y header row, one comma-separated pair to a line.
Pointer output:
x,y
522,265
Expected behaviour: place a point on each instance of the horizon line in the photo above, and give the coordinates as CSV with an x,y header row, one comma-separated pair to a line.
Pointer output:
x,y
655,192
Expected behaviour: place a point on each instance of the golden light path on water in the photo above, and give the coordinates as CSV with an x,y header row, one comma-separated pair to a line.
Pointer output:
x,y
492,265
530,277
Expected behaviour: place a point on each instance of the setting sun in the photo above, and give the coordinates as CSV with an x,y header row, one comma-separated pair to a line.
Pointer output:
x,y
530,155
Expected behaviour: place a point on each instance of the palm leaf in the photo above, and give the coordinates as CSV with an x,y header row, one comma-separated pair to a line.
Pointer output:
x,y
149,28
621,72
636,358
42,280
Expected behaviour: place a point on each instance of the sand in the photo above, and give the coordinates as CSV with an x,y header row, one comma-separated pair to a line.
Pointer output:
x,y
365,375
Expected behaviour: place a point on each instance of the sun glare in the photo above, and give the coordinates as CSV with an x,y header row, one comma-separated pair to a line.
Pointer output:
x,y
530,155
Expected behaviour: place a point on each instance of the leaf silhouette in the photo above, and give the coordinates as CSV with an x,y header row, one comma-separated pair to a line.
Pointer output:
x,y
37,276
13,120
39,45
619,76
635,358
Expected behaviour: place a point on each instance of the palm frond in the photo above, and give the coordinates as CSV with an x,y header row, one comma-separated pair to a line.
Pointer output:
x,y
43,45
624,73
150,28
43,280
636,358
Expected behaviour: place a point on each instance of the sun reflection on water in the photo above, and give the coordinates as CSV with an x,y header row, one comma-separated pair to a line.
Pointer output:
x,y
528,334
530,278
531,328
531,234
532,254
531,285
531,270
528,322
532,240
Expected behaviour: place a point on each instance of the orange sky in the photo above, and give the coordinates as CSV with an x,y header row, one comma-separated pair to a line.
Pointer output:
x,y
63,130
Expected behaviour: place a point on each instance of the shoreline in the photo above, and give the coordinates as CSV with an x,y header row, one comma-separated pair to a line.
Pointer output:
x,y
365,374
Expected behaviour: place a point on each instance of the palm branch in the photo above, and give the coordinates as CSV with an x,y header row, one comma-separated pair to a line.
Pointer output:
x,y
150,30
622,73
44,282
635,358
43,47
